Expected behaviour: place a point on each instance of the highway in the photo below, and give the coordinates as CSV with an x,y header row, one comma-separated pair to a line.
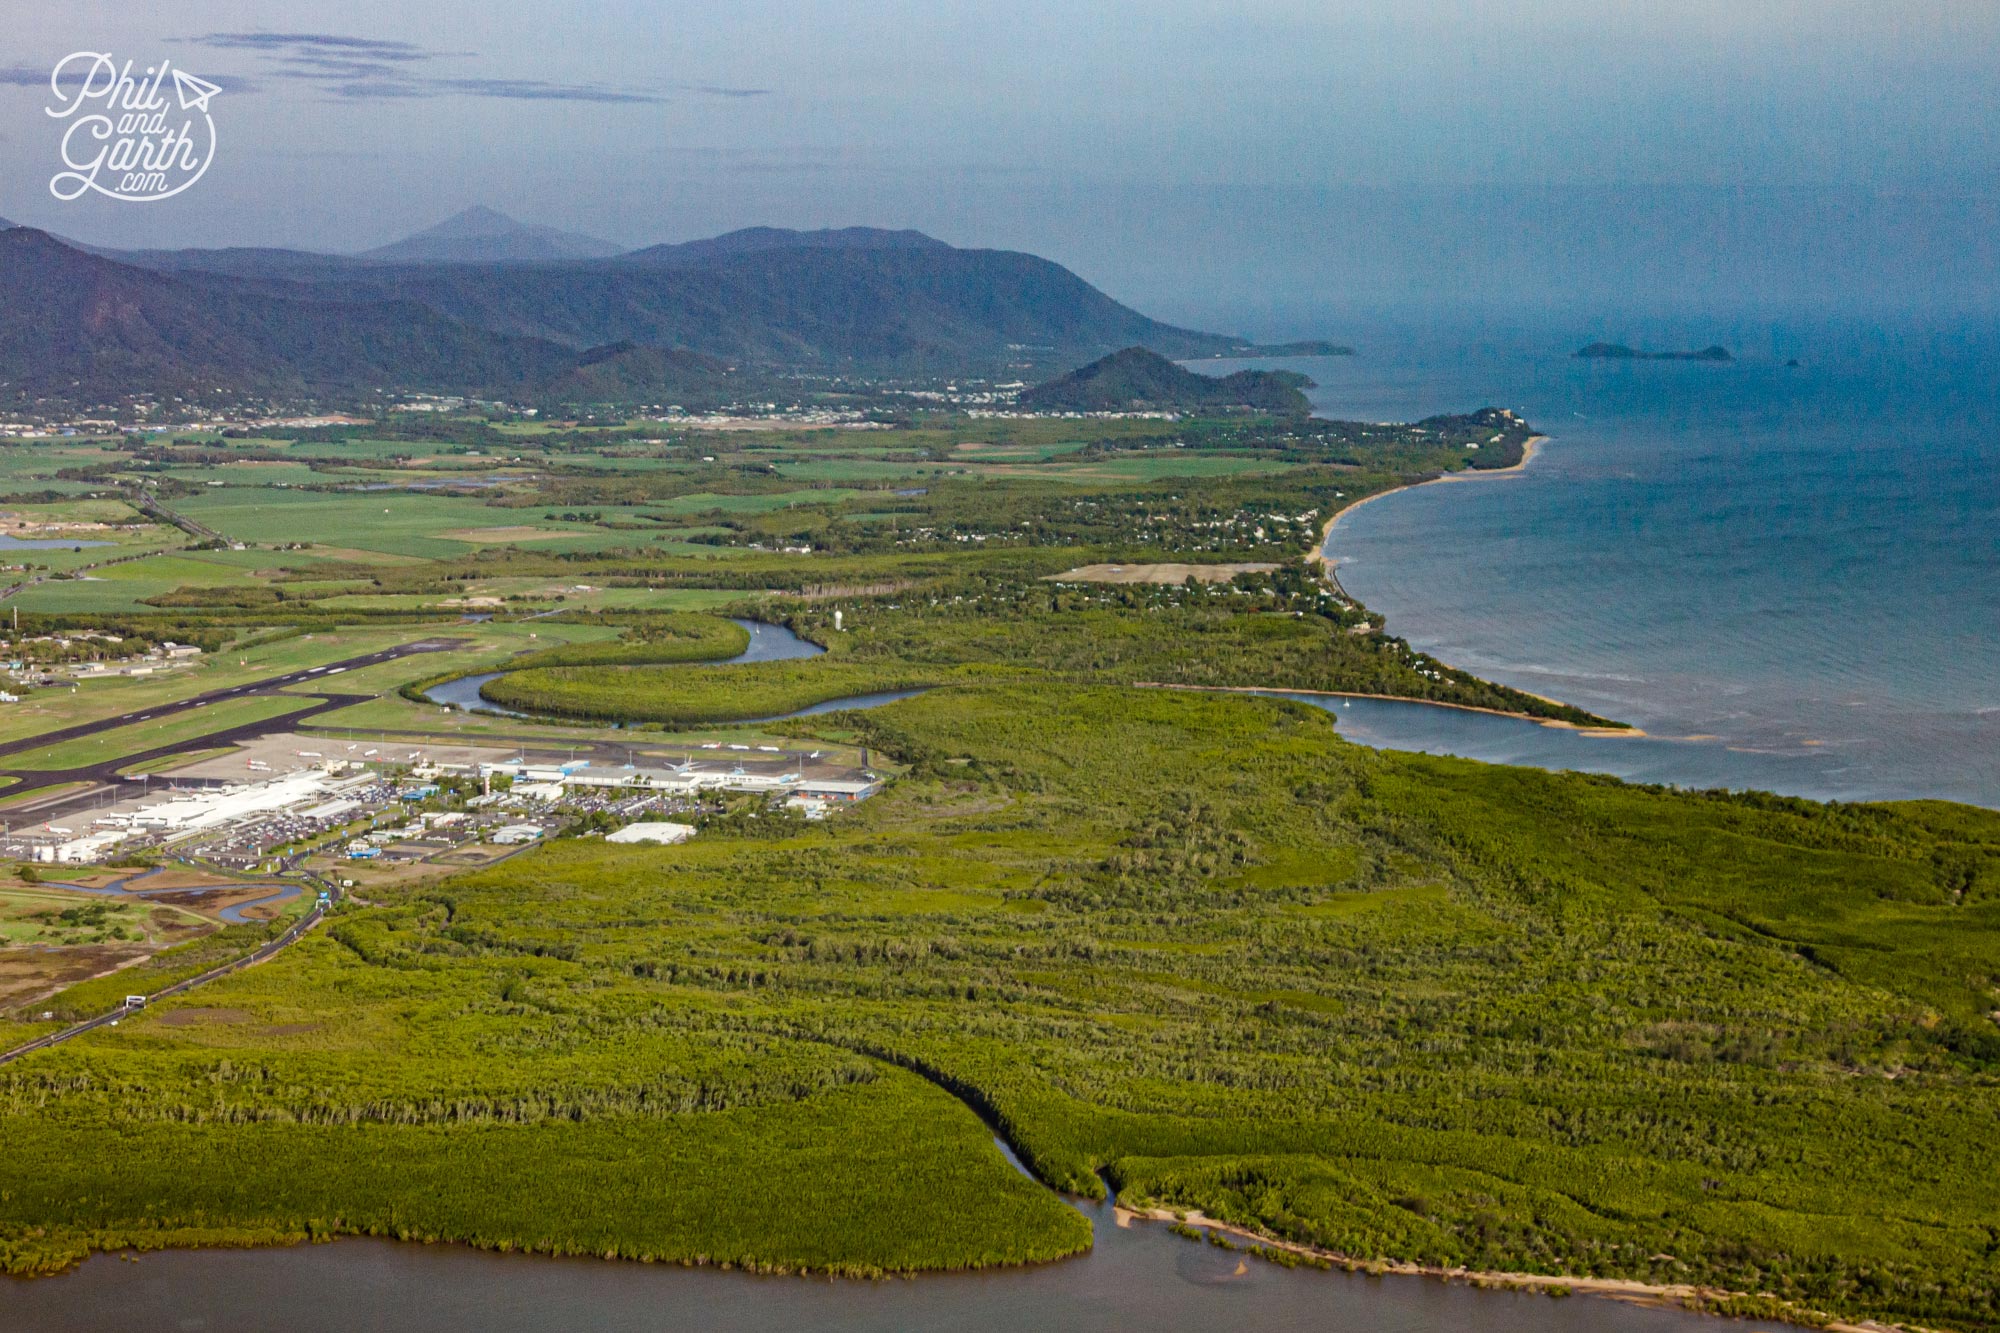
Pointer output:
x,y
298,930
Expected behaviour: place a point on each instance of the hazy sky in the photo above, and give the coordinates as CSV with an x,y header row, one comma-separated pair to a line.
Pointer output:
x,y
1264,155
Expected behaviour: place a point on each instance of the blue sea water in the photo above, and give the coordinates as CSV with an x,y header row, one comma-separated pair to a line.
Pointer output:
x,y
1788,576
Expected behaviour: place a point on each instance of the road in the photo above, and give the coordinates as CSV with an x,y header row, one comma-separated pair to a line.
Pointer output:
x,y
298,931
106,771
150,505
269,950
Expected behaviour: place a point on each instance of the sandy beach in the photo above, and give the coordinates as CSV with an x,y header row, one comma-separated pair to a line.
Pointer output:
x,y
1529,449
1668,1296
1317,556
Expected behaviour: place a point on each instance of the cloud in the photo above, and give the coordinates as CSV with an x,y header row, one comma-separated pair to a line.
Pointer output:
x,y
292,43
372,69
535,90
33,76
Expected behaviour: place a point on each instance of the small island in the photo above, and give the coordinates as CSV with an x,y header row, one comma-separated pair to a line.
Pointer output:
x,y
1620,352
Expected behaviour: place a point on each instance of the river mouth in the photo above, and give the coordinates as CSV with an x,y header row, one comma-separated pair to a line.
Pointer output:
x,y
768,643
1695,762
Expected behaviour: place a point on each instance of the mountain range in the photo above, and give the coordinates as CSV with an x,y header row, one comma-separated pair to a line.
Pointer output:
x,y
82,329
429,314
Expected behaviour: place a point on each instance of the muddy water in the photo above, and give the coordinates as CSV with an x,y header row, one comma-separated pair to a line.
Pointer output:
x,y
1141,1278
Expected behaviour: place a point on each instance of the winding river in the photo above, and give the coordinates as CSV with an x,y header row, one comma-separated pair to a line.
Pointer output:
x,y
232,915
1387,724
1138,1275
768,643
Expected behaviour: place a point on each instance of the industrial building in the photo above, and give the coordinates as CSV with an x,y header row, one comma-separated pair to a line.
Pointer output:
x,y
549,782
659,831
288,790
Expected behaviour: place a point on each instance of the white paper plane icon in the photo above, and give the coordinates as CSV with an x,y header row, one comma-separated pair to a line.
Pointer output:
x,y
194,93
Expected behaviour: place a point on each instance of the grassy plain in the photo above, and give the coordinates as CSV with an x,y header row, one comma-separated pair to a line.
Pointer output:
x,y
393,522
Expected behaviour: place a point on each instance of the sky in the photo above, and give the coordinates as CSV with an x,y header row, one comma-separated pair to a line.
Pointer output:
x,y
1270,160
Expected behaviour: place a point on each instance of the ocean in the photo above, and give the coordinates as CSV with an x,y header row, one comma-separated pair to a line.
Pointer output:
x,y
1788,576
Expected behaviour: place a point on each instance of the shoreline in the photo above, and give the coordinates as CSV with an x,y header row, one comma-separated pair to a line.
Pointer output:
x,y
1554,722
1317,555
1682,1296
1329,571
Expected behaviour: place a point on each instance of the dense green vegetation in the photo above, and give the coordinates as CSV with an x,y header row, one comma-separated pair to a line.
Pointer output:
x,y
1281,630
693,696
1393,1005
1187,944
653,638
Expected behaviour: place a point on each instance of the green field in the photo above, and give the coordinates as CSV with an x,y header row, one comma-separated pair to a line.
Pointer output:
x,y
392,522
52,709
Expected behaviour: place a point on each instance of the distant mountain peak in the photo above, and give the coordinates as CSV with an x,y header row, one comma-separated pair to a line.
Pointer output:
x,y
5,225
477,220
483,235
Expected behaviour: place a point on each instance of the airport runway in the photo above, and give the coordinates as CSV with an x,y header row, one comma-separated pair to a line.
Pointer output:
x,y
105,773
309,676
